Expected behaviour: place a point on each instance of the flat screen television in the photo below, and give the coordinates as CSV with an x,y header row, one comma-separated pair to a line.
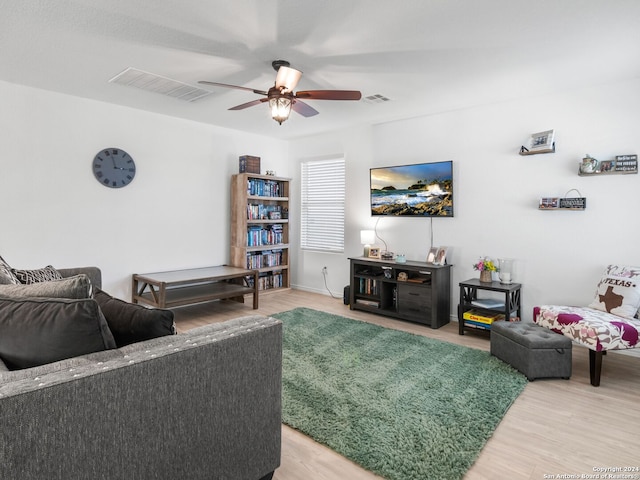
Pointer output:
x,y
418,190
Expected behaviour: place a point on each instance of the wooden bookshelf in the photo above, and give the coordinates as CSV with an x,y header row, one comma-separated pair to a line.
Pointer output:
x,y
260,228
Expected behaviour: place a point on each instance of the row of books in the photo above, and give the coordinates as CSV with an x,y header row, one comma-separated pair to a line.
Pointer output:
x,y
268,258
264,212
264,188
267,281
368,286
269,235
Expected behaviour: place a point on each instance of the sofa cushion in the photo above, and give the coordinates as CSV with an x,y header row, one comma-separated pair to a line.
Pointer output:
x,y
36,331
45,274
7,276
132,323
78,286
618,291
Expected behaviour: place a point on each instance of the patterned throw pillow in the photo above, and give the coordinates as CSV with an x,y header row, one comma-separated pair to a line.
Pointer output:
x,y
618,291
6,274
78,286
45,274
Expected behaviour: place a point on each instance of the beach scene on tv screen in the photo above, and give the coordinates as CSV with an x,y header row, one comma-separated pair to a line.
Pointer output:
x,y
424,189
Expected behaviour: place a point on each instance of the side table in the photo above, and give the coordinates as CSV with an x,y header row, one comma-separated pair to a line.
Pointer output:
x,y
469,296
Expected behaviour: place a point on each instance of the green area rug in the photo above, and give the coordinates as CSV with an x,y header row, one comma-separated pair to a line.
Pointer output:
x,y
402,406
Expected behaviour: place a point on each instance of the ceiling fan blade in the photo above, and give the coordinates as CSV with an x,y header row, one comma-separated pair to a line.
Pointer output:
x,y
329,95
303,109
226,85
287,78
249,104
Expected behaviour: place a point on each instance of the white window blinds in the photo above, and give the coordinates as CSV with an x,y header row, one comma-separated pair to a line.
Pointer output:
x,y
322,205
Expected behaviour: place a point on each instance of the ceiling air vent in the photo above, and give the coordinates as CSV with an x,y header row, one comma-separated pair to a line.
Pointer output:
x,y
377,98
151,82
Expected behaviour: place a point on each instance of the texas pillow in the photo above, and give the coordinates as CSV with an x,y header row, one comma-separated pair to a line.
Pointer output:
x,y
618,291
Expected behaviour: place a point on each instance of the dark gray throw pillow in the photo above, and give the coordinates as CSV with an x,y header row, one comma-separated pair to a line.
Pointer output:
x,y
131,323
36,331
78,286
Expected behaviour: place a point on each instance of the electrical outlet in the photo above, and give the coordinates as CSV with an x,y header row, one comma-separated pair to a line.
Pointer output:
x,y
324,270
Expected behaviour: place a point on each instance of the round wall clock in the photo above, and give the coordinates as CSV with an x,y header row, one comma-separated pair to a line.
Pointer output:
x,y
114,168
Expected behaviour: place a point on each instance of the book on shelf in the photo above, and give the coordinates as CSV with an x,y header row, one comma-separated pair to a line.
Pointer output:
x,y
480,317
478,325
487,303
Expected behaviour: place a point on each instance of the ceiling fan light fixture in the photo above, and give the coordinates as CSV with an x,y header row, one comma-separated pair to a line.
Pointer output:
x,y
287,79
280,108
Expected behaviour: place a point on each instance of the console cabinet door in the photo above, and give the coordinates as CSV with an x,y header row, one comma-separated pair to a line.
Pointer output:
x,y
414,302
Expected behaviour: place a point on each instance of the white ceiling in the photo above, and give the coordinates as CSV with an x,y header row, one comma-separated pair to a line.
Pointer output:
x,y
426,56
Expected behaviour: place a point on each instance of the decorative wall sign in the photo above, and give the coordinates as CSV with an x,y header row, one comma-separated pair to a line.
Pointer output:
x,y
563,203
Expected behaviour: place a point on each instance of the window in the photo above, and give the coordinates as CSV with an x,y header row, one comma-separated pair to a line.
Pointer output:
x,y
322,205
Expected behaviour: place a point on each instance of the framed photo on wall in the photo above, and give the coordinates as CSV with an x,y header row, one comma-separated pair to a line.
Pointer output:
x,y
431,256
374,252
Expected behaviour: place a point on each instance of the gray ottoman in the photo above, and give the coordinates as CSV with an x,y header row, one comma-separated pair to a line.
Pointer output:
x,y
531,349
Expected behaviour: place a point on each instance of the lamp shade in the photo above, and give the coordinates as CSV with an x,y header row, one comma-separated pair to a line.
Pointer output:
x,y
367,237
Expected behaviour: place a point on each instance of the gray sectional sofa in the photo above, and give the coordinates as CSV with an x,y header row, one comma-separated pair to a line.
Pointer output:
x,y
205,404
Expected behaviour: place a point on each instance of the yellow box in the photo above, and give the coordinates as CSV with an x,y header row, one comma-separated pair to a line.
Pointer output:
x,y
476,316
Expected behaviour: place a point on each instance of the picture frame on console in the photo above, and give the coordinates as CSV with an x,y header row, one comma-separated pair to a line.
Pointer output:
x,y
441,256
431,256
375,252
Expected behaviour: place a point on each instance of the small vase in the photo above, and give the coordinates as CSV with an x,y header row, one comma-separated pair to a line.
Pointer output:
x,y
485,276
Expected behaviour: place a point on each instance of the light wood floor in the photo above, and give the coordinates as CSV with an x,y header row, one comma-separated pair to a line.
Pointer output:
x,y
554,427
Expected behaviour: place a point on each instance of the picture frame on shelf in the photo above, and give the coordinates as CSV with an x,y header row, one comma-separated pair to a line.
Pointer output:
x,y
431,256
540,142
375,252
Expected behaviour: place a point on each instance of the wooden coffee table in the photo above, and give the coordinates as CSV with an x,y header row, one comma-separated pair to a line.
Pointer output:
x,y
186,287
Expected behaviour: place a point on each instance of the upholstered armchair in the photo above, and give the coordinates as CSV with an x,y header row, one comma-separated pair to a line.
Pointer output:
x,y
609,322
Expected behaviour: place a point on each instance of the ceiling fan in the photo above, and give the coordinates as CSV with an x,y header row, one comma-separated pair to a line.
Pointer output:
x,y
281,97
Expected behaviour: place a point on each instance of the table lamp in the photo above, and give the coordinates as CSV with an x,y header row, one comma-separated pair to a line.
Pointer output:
x,y
367,238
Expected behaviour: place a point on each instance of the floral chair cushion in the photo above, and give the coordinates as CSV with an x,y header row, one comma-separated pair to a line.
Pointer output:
x,y
592,328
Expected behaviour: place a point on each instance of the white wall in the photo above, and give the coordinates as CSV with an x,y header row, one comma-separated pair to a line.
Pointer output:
x,y
356,146
560,255
175,214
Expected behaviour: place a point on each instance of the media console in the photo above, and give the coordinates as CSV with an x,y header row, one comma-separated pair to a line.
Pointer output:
x,y
415,291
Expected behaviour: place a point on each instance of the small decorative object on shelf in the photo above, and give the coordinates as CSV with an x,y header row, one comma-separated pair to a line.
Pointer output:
x,y
401,258
589,164
386,255
623,164
541,142
485,265
564,203
249,164
505,268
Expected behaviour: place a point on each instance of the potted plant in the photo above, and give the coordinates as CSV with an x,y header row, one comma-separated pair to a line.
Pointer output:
x,y
485,265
